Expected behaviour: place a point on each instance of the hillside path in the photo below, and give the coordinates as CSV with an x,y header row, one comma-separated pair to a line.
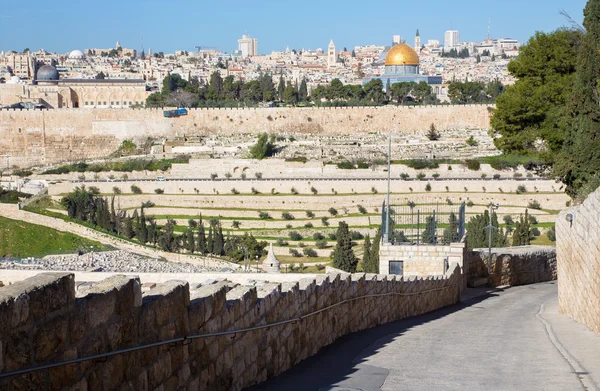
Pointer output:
x,y
508,340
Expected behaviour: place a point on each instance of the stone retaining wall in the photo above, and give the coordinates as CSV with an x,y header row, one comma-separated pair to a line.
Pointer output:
x,y
42,321
513,265
578,253
34,137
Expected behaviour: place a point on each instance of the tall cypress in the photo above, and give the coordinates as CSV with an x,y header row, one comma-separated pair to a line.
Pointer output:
x,y
210,242
374,253
303,91
281,87
142,232
343,255
366,260
579,165
202,247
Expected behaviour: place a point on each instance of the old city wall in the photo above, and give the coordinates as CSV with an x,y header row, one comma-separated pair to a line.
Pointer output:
x,y
34,137
513,266
42,321
578,255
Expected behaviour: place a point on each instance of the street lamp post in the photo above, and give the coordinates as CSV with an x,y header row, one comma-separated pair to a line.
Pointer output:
x,y
490,228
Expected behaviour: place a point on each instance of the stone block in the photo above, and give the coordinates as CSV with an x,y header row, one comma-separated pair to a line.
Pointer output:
x,y
49,338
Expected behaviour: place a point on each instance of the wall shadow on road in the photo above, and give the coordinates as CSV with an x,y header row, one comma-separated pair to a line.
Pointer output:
x,y
337,362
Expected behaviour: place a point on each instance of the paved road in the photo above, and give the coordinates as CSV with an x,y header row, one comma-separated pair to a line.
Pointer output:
x,y
316,179
511,340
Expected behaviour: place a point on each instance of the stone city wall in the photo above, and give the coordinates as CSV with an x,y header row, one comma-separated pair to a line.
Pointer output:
x,y
39,137
578,254
513,265
421,260
43,321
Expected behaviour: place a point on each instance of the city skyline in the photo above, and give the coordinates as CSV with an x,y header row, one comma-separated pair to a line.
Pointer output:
x,y
334,20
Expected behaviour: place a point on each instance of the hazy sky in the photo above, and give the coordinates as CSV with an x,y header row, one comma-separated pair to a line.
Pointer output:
x,y
168,25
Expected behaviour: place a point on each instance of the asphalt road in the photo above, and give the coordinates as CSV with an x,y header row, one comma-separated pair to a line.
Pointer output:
x,y
510,340
317,179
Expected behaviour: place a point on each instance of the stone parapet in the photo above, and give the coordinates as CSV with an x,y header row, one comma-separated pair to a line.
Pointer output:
x,y
42,321
578,255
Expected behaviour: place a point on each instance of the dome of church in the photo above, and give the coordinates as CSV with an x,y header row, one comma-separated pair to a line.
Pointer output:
x,y
76,54
47,73
402,54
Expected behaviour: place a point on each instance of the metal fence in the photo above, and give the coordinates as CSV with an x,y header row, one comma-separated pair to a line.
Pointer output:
x,y
425,221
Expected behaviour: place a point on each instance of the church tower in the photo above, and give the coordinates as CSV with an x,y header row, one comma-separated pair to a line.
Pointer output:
x,y
418,42
331,55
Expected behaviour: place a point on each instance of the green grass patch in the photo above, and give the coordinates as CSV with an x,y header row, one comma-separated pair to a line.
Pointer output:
x,y
19,239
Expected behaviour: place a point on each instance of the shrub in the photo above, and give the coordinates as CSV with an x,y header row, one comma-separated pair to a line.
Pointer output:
x,y
254,191
325,221
551,234
213,176
288,226
534,205
421,176
135,189
473,165
332,236
355,235
264,215
309,252
449,167
308,225
532,219
235,224
310,214
320,267
243,176
470,203
362,210
314,191
346,165
235,191
258,175
436,175
535,231
508,220
318,236
295,253
496,176
449,201
374,190
321,244
521,189
116,190
228,175
517,175
420,164
472,142
293,191
159,191
281,242
447,189
287,216
295,235
404,176
333,211
428,187
483,176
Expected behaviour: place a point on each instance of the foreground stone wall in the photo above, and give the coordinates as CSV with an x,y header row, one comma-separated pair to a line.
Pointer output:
x,y
42,321
34,137
513,265
578,254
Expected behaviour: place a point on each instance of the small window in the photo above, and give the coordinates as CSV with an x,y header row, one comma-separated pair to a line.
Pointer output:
x,y
104,103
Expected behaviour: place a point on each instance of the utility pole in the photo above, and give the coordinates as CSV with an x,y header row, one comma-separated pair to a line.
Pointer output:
x,y
386,236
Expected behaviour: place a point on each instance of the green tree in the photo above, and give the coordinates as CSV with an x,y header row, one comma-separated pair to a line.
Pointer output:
x,y
401,92
202,246
263,147
303,91
429,235
290,94
343,255
267,87
450,234
535,107
579,163
374,91
366,260
374,253
281,87
523,234
477,233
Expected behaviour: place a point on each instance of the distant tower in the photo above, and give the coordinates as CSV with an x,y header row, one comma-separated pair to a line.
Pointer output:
x,y
331,54
118,45
396,39
418,42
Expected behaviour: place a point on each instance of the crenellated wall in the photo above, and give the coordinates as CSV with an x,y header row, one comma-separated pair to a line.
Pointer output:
x,y
578,256
42,321
34,137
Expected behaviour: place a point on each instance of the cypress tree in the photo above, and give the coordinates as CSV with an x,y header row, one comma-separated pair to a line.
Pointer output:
x,y
374,256
210,242
522,235
429,236
142,234
343,255
281,87
451,232
219,240
579,165
202,247
366,260
303,91
190,240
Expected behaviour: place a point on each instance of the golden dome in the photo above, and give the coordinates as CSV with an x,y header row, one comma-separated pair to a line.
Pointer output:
x,y
402,54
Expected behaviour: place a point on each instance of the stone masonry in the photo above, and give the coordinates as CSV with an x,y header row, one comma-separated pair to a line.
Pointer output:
x,y
43,321
39,137
578,256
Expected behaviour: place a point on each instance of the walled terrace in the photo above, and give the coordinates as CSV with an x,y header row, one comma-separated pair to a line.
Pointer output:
x,y
43,320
